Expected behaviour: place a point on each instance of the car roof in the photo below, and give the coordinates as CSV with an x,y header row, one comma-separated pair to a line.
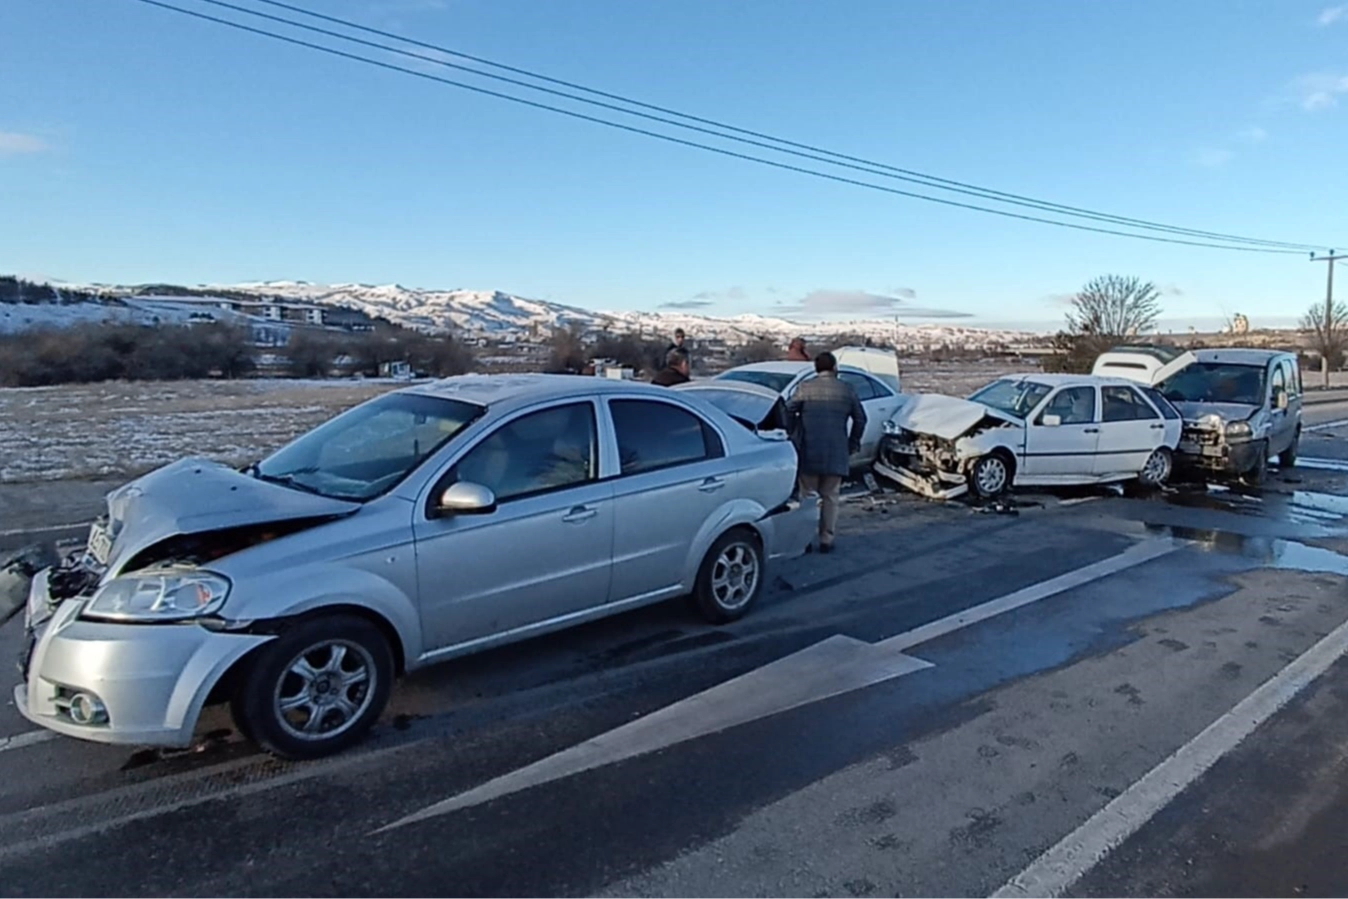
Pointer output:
x,y
496,391
1059,380
781,367
1238,355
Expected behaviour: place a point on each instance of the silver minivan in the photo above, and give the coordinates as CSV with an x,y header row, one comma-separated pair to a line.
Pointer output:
x,y
428,523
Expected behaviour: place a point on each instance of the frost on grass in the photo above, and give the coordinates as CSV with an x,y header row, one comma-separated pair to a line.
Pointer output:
x,y
125,428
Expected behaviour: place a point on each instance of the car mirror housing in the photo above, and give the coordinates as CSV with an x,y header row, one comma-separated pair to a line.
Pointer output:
x,y
466,498
1280,399
1050,421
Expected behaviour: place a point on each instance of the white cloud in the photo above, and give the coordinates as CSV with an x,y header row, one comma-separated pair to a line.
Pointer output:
x,y
1319,91
12,143
1331,14
1253,135
1212,157
827,303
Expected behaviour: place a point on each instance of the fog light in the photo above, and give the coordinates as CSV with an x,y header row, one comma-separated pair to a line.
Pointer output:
x,y
85,708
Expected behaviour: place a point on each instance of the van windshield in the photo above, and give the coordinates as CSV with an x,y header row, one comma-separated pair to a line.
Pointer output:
x,y
1216,382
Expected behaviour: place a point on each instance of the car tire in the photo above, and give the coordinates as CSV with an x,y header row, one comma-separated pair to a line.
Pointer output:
x,y
1288,457
1254,475
1157,469
731,576
316,689
990,476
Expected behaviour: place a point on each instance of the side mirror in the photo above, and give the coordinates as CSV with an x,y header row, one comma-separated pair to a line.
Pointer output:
x,y
1050,421
466,498
1280,399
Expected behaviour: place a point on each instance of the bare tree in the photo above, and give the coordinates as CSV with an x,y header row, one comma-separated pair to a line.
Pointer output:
x,y
761,350
1114,307
569,352
1328,339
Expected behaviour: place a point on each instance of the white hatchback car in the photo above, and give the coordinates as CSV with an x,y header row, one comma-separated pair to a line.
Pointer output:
x,y
1039,430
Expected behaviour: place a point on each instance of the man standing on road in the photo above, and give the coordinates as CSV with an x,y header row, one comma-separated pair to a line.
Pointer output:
x,y
795,352
817,417
676,370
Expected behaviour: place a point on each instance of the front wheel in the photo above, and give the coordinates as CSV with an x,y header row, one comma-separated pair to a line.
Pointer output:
x,y
1254,475
1288,457
731,577
1157,469
316,689
990,476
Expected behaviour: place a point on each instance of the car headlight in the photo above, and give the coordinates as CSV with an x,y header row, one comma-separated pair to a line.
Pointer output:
x,y
892,429
162,596
1239,430
1212,420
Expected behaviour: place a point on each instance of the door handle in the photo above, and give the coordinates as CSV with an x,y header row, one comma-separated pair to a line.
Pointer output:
x,y
711,484
1158,427
1090,431
578,514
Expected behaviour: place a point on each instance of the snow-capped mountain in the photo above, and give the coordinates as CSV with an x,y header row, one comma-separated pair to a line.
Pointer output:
x,y
489,314
495,314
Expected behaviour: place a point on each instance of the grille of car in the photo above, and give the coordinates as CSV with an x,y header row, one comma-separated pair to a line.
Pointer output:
x,y
1201,436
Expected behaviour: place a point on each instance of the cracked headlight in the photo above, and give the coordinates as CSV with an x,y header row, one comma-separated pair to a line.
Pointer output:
x,y
1239,430
892,429
162,596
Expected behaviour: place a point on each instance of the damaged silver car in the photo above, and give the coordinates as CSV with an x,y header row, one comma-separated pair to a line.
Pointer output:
x,y
1041,430
425,524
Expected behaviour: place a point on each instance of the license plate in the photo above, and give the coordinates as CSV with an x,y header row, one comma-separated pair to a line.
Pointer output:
x,y
100,544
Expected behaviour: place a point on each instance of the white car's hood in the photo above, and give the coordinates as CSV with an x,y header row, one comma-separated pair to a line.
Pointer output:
x,y
193,496
947,417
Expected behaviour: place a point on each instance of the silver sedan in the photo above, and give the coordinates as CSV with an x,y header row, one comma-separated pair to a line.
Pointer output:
x,y
425,524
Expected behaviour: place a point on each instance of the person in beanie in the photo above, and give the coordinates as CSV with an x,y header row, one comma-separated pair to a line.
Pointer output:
x,y
795,352
817,421
676,370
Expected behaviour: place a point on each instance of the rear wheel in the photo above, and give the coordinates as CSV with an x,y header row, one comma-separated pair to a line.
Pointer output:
x,y
316,689
731,577
990,476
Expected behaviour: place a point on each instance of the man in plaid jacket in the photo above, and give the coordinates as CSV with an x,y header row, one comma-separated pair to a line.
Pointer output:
x,y
817,417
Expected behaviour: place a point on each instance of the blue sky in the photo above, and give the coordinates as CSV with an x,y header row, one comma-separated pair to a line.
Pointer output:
x,y
139,145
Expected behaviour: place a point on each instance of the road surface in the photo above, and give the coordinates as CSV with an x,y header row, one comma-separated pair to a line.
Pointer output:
x,y
1099,695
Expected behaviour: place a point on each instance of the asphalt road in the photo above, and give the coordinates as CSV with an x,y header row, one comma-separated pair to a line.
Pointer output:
x,y
1100,695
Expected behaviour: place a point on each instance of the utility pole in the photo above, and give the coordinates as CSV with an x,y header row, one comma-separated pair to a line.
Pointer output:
x,y
1329,307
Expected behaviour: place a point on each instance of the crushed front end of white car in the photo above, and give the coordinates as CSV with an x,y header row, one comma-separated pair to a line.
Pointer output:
x,y
931,445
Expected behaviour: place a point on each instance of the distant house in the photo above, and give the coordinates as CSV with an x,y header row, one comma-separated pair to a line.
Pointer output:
x,y
398,371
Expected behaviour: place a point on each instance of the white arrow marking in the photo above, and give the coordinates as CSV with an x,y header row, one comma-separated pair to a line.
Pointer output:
x,y
831,667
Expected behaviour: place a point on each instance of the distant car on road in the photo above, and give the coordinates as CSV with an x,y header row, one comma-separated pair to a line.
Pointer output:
x,y
878,397
427,523
1042,430
1241,407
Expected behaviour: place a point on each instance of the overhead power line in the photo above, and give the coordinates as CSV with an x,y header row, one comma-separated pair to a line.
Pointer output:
x,y
785,145
1228,244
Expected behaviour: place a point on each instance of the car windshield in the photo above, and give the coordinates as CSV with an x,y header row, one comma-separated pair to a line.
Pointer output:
x,y
773,380
1016,398
1216,382
367,450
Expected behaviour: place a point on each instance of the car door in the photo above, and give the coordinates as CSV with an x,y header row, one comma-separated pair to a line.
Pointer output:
x,y
545,552
672,476
880,402
1130,429
1066,449
1282,421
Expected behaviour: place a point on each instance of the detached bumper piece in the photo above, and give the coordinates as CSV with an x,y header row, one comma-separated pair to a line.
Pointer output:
x,y
942,485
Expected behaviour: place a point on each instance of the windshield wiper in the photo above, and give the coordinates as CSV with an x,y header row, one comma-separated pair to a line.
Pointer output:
x,y
288,479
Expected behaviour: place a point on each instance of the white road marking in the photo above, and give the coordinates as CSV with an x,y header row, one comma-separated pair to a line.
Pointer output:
x,y
1065,863
1324,464
31,738
1326,425
45,529
831,667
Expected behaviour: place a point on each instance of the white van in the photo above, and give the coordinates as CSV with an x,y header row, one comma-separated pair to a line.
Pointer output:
x,y
883,364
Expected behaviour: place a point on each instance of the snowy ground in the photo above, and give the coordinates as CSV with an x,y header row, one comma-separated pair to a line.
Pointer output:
x,y
119,429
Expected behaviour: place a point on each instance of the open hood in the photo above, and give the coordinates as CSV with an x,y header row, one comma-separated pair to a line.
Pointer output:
x,y
752,405
947,417
193,496
1145,364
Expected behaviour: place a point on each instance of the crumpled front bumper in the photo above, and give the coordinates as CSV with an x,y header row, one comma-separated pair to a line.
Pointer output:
x,y
152,679
1218,457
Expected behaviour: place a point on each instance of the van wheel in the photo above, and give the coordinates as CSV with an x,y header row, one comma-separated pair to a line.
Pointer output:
x,y
731,577
1288,457
990,475
316,689
1254,476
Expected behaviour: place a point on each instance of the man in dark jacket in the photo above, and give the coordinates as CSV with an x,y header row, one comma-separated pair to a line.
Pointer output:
x,y
676,370
817,417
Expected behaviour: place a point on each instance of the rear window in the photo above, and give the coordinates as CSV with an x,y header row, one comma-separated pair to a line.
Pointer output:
x,y
773,380
1160,402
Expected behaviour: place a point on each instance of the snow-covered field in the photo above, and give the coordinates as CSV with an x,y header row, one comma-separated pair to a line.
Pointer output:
x,y
120,429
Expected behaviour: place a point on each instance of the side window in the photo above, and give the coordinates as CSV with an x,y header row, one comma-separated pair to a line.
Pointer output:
x,y
1074,405
1124,404
1294,376
653,435
863,385
1160,402
535,453
1279,380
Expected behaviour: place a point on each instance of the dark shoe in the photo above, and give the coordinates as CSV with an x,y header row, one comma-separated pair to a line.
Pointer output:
x,y
825,548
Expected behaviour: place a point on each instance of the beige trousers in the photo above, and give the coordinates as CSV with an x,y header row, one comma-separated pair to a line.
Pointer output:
x,y
826,487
